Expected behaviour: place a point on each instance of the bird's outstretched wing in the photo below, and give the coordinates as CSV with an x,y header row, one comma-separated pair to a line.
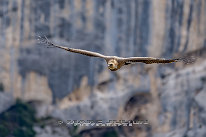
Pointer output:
x,y
150,60
49,44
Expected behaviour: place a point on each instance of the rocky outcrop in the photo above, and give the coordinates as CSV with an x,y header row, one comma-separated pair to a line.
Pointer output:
x,y
6,101
51,131
181,100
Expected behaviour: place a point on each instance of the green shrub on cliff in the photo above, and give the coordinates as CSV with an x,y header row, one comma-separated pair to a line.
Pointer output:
x,y
18,121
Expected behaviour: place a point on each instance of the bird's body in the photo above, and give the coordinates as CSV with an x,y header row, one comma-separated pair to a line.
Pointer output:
x,y
114,62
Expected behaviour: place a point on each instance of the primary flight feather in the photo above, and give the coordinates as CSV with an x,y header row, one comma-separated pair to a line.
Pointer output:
x,y
113,62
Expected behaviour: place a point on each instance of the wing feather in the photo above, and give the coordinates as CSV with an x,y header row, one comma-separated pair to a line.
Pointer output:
x,y
149,60
44,40
86,52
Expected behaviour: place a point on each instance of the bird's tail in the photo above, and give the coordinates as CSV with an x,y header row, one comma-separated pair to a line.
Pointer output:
x,y
44,40
187,59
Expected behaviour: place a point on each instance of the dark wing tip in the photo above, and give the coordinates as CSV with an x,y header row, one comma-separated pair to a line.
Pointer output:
x,y
187,59
44,40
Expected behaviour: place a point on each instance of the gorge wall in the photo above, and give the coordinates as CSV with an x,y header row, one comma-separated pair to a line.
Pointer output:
x,y
170,97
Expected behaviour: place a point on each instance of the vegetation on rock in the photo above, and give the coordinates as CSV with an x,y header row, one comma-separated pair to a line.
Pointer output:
x,y
18,121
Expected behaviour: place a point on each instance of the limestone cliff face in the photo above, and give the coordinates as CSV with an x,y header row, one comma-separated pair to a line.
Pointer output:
x,y
82,87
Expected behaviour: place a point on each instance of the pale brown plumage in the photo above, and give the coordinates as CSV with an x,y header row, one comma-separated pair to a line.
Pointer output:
x,y
114,63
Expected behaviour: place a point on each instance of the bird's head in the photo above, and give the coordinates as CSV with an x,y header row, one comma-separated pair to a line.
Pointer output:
x,y
113,65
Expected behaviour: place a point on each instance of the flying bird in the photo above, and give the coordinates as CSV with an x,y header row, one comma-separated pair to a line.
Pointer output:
x,y
114,62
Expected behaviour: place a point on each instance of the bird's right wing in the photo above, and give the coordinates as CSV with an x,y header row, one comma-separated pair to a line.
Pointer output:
x,y
48,43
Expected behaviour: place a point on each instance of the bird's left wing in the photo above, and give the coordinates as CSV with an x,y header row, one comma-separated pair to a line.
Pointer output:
x,y
150,60
44,40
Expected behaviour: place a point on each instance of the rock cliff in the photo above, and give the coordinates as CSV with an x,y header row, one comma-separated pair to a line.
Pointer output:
x,y
71,86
